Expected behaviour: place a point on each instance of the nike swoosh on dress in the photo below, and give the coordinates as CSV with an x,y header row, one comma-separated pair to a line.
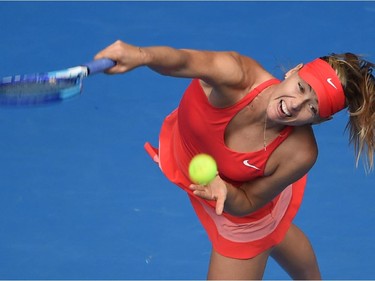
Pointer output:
x,y
246,163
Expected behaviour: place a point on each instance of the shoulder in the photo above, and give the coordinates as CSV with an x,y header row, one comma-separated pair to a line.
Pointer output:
x,y
239,75
300,148
239,71
297,154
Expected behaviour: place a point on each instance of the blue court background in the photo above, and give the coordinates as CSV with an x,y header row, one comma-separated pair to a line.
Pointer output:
x,y
79,197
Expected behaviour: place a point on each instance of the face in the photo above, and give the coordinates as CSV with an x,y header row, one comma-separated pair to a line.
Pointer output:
x,y
293,102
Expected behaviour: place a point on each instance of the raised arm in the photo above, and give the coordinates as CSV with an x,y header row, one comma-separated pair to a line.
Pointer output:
x,y
221,70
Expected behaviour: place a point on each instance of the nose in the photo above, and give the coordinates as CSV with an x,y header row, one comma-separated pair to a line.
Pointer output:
x,y
299,102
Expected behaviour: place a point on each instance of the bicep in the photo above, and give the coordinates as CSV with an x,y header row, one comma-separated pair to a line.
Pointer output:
x,y
219,69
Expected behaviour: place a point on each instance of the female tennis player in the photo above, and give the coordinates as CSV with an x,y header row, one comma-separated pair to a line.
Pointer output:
x,y
258,129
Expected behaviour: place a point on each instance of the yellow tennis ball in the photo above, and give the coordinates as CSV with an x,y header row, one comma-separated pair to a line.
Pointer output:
x,y
202,169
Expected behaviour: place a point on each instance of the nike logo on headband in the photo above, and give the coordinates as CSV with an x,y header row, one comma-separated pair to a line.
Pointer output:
x,y
329,80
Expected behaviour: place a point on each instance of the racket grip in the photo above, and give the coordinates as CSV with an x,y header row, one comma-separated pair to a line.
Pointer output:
x,y
99,65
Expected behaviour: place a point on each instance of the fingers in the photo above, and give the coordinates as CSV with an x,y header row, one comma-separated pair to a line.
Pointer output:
x,y
123,54
201,191
220,205
206,193
107,55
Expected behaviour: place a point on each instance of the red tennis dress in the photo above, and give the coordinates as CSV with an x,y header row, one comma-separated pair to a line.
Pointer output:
x,y
198,127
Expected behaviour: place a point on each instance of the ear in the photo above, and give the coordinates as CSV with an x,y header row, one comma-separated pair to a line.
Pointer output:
x,y
293,70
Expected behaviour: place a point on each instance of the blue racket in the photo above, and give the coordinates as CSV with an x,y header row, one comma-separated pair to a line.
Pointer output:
x,y
49,87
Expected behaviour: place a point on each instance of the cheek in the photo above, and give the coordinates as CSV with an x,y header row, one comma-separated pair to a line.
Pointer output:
x,y
305,118
270,109
273,112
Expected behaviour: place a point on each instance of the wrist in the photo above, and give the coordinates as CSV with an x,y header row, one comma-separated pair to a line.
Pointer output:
x,y
143,56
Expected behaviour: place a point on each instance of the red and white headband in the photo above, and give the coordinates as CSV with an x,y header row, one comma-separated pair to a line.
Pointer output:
x,y
324,81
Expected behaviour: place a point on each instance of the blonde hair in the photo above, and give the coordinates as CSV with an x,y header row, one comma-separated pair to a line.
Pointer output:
x,y
357,79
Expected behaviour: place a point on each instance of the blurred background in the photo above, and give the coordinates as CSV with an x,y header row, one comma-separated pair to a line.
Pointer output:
x,y
79,197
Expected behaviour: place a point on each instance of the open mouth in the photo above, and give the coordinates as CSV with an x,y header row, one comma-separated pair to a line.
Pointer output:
x,y
284,109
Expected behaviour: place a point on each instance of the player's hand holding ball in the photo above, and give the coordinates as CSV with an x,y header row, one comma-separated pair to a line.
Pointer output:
x,y
208,185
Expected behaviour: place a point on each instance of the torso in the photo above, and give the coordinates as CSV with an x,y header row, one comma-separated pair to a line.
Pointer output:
x,y
247,133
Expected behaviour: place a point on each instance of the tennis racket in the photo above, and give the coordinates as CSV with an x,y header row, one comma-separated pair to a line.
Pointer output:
x,y
49,87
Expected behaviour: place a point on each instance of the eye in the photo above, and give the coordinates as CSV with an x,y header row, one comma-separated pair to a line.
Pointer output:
x,y
300,87
313,109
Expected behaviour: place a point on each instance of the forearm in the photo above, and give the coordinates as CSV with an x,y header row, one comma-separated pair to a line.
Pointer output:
x,y
165,60
215,68
238,203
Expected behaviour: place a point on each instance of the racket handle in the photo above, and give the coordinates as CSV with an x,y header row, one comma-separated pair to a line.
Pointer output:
x,y
99,65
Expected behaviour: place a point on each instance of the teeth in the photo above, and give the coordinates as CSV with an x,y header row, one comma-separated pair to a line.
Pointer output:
x,y
285,109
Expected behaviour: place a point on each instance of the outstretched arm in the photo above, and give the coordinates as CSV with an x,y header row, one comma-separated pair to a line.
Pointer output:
x,y
220,70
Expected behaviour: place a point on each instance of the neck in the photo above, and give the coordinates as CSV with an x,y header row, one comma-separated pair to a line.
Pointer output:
x,y
259,108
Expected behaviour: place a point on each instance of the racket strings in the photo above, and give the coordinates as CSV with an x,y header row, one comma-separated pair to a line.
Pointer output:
x,y
39,90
